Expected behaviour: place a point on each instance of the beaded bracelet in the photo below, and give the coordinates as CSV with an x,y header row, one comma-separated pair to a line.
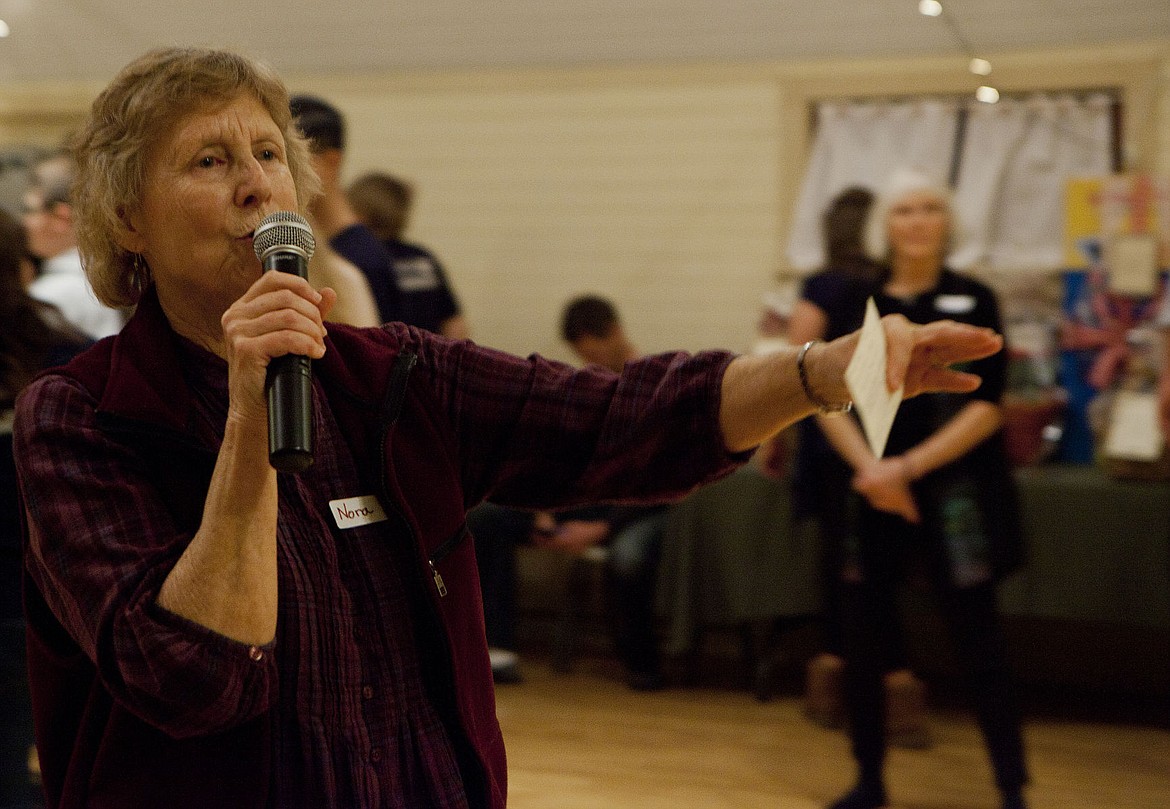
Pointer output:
x,y
822,405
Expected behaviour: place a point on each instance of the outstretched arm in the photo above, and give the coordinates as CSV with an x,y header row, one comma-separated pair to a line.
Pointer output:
x,y
763,394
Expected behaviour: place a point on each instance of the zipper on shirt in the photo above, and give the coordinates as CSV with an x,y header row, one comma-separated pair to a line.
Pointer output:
x,y
439,585
442,552
469,765
396,395
392,408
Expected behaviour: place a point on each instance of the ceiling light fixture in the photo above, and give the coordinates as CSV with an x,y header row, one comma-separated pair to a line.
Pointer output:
x,y
976,65
4,29
986,94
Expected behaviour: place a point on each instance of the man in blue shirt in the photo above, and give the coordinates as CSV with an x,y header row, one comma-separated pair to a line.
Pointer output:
x,y
333,217
383,202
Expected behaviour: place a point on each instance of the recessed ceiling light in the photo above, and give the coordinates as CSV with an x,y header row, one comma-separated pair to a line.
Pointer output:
x,y
988,95
4,30
980,67
929,8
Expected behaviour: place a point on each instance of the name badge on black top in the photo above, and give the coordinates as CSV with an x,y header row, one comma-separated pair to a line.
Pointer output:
x,y
954,304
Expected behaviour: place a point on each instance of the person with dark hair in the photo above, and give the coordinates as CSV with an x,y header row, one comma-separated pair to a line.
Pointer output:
x,y
632,535
588,316
592,328
205,631
590,325
383,203
323,127
35,336
829,299
832,303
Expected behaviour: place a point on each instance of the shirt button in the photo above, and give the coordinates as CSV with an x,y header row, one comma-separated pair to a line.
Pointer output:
x,y
256,653
376,755
367,692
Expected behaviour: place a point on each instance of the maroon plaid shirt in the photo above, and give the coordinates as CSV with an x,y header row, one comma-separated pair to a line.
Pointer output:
x,y
345,681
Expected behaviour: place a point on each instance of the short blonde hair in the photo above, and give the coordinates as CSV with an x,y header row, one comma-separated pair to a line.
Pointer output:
x,y
139,106
900,184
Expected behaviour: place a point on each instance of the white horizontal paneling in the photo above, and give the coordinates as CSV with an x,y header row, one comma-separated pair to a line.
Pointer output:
x,y
663,197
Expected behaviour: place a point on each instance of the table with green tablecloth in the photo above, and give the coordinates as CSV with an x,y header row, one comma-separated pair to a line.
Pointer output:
x,y
733,555
1098,548
1091,605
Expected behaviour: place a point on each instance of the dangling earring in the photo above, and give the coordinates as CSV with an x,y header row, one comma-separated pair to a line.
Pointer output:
x,y
139,273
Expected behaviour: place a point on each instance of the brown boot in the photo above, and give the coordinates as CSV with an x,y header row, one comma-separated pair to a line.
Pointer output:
x,y
824,702
906,724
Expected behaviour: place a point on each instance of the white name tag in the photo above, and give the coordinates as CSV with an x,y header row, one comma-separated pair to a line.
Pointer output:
x,y
954,304
354,511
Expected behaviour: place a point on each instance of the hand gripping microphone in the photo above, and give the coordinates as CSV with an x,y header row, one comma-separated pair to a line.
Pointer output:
x,y
284,242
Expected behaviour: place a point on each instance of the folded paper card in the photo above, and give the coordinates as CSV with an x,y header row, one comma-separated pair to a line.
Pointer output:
x,y
875,403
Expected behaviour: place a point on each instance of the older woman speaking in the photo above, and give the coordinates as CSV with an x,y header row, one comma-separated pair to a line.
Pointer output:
x,y
206,631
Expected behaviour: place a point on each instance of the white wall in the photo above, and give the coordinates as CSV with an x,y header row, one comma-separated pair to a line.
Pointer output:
x,y
663,197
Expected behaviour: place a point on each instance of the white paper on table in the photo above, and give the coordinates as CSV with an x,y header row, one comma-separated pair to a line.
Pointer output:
x,y
875,404
1134,432
1132,261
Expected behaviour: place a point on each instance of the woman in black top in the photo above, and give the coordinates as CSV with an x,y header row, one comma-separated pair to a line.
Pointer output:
x,y
940,502
832,303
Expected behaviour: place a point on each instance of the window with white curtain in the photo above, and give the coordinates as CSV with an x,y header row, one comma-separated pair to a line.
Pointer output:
x,y
1008,164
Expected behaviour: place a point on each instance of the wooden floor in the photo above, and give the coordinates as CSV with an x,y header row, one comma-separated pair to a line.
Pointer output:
x,y
584,741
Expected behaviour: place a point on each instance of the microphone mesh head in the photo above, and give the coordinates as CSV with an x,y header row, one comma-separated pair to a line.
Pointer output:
x,y
283,230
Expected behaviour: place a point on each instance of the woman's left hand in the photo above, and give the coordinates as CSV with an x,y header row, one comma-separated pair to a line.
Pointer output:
x,y
885,485
576,536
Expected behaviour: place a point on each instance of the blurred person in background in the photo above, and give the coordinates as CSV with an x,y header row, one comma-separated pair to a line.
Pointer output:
x,y
831,303
383,202
355,303
52,237
632,535
35,336
940,504
333,218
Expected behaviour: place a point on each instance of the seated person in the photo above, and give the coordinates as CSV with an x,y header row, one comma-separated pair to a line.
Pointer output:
x,y
498,531
590,325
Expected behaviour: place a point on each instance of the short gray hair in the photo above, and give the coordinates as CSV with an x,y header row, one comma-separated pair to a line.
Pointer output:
x,y
148,96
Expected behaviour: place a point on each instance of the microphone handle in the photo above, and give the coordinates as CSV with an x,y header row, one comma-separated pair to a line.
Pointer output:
x,y
289,385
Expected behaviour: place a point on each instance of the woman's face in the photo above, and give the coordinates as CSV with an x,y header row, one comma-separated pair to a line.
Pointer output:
x,y
918,225
210,179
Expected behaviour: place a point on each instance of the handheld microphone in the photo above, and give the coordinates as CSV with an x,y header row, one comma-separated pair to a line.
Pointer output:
x,y
284,242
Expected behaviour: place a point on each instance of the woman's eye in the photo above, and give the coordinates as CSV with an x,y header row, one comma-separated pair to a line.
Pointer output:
x,y
206,162
267,154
